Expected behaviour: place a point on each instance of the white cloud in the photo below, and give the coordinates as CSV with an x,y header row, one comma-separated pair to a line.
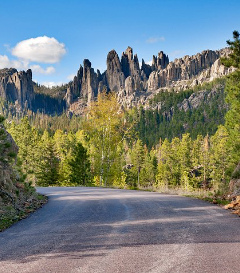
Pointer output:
x,y
153,40
5,62
38,69
149,62
70,77
41,49
51,84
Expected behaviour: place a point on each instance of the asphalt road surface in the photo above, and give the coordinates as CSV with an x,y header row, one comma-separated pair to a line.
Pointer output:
x,y
109,231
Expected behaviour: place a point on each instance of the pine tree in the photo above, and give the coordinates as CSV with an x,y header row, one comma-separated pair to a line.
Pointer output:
x,y
79,166
185,161
27,139
149,169
233,99
137,158
219,158
164,173
47,166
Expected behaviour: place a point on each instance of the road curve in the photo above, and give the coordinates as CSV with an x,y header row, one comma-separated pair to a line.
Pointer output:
x,y
119,231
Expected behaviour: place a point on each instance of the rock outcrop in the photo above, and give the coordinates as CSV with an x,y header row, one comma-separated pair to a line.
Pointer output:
x,y
133,84
16,86
84,85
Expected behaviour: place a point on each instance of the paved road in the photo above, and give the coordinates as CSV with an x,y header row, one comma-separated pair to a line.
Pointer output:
x,y
109,231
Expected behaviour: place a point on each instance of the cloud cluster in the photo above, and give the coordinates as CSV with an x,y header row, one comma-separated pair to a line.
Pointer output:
x,y
153,40
39,50
51,84
38,69
6,63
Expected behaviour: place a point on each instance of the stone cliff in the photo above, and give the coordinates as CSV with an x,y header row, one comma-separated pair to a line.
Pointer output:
x,y
18,89
16,86
134,84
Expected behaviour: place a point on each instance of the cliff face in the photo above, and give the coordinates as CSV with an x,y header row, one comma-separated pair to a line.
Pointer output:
x,y
134,84
17,86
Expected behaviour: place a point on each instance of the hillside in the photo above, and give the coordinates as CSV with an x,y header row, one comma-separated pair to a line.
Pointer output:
x,y
17,197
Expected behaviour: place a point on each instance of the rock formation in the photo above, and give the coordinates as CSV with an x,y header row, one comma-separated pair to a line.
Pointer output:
x,y
16,86
133,85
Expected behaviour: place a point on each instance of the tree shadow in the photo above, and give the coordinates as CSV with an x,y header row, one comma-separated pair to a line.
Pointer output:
x,y
82,224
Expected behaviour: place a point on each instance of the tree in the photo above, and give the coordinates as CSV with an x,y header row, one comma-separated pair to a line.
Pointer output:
x,y
79,166
65,144
149,169
233,99
164,174
47,167
234,57
137,158
185,161
219,157
27,139
105,127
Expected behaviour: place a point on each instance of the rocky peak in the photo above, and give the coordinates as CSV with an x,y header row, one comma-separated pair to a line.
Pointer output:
x,y
133,85
16,86
129,53
115,75
160,62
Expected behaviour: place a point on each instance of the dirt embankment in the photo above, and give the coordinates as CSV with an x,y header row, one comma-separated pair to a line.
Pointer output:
x,y
17,197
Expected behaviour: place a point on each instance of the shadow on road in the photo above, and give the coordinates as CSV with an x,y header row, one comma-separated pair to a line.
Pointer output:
x,y
79,222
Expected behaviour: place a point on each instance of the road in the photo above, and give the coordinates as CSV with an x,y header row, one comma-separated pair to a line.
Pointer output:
x,y
119,231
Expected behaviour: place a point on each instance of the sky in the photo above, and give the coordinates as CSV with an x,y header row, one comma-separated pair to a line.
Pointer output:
x,y
53,37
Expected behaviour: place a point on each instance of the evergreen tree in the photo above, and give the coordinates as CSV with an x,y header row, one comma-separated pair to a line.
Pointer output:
x,y
219,158
164,174
137,158
79,166
27,139
185,161
47,167
149,169
233,99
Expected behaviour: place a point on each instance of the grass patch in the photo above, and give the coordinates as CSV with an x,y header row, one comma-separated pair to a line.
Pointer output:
x,y
9,215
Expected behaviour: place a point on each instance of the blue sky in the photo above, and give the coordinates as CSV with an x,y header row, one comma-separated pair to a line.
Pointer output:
x,y
78,29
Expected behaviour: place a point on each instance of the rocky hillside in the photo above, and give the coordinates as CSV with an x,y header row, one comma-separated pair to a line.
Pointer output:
x,y
134,84
17,198
198,111
19,89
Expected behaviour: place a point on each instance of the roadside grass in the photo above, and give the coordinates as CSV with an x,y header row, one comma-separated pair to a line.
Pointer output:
x,y
10,215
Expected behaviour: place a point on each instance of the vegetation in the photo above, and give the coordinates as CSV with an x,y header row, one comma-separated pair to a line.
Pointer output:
x,y
171,121
17,197
169,148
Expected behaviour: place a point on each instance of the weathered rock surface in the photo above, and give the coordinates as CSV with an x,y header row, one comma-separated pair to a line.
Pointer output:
x,y
134,85
16,86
